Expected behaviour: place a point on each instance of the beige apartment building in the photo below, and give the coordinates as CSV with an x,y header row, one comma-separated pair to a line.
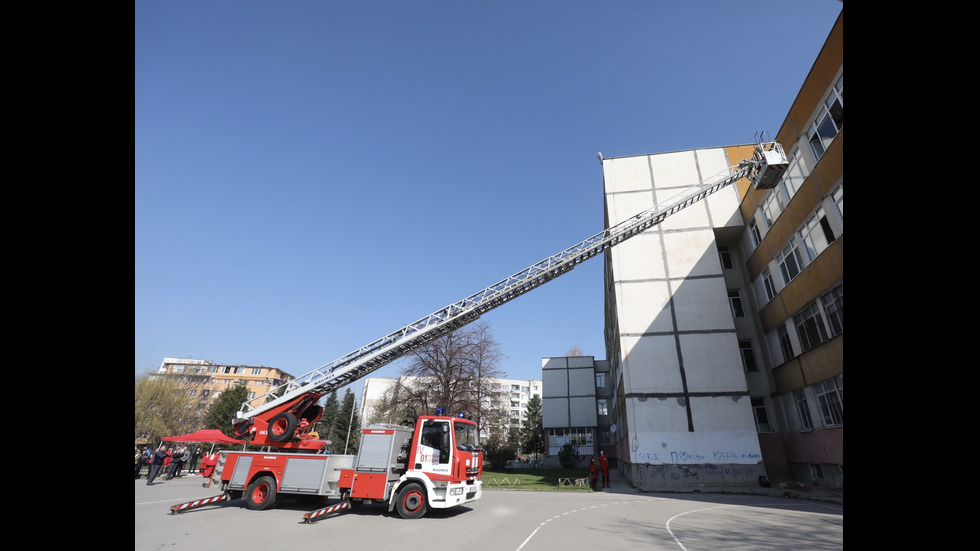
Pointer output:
x,y
208,380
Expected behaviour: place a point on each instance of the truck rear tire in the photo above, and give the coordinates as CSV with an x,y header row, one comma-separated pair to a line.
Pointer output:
x,y
261,494
412,501
282,427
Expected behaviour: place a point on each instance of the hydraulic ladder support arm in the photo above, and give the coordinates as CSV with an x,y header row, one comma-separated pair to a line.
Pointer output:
x,y
272,416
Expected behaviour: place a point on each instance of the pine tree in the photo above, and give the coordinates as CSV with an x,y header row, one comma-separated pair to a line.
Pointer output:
x,y
350,420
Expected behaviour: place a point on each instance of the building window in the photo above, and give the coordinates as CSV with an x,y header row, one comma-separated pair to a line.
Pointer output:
x,y
833,304
761,417
178,368
810,327
816,234
771,209
803,410
602,406
770,286
830,396
795,174
735,300
785,344
790,261
838,196
748,358
816,472
754,232
829,120
256,371
601,380
579,437
212,369
726,258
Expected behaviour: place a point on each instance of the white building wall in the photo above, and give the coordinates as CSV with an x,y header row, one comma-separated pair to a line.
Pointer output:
x,y
677,334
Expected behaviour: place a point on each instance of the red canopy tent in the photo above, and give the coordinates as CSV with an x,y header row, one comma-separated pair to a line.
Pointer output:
x,y
213,436
208,435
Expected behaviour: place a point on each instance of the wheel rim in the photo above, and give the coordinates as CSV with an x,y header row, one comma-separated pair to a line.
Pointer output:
x,y
279,427
413,501
260,493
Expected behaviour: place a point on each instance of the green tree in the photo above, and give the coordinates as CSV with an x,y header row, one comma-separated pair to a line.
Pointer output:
x,y
329,425
532,430
568,457
164,407
223,409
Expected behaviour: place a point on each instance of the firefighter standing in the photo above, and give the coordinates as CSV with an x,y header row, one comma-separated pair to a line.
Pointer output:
x,y
604,466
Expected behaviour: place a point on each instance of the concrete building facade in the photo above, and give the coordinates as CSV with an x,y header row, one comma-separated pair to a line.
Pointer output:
x,y
724,324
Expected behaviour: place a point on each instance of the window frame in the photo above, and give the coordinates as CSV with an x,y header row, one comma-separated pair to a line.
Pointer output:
x,y
830,399
828,121
803,410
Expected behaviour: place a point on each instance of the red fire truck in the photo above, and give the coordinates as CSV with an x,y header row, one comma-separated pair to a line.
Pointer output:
x,y
434,464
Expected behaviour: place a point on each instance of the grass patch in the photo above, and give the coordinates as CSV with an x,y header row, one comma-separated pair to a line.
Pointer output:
x,y
534,479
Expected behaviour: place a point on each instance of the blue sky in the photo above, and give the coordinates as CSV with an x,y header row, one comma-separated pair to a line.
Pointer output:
x,y
313,175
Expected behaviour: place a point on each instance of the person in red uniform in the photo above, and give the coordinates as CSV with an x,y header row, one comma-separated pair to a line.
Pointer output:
x,y
594,472
604,467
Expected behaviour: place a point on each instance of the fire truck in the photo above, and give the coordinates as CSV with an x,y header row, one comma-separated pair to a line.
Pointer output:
x,y
435,461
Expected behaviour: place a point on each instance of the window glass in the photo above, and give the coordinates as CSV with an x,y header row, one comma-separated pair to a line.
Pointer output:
x,y
790,261
810,326
829,120
761,417
735,300
748,358
803,410
830,396
770,286
833,304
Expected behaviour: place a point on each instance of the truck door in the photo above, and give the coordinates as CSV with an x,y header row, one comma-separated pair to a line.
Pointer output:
x,y
433,451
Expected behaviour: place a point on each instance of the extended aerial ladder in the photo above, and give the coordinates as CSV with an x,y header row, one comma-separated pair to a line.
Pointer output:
x,y
283,412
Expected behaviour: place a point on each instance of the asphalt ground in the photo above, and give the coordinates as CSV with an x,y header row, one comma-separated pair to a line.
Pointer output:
x,y
503,520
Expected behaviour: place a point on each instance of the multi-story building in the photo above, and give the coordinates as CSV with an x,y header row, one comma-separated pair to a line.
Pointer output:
x,y
207,380
577,406
507,400
724,324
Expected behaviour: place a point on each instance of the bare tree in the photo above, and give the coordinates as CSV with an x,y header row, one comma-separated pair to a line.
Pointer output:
x,y
575,351
454,373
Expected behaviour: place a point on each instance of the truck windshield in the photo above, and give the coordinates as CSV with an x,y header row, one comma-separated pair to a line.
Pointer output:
x,y
466,437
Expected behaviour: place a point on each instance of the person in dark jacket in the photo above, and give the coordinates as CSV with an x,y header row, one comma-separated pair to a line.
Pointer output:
x,y
158,460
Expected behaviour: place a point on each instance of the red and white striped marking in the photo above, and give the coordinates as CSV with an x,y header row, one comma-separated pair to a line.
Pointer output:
x,y
308,517
198,503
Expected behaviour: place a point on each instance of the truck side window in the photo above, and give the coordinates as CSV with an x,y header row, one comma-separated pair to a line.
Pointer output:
x,y
435,434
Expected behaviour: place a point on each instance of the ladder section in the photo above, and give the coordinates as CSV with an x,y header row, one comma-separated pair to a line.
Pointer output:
x,y
385,350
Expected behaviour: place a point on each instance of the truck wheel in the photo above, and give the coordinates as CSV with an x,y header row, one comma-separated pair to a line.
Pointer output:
x,y
241,429
282,427
261,494
412,502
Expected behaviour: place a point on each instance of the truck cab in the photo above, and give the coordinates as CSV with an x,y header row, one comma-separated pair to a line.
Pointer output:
x,y
436,465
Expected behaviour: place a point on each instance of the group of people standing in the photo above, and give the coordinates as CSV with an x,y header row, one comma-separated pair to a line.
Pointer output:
x,y
164,459
602,467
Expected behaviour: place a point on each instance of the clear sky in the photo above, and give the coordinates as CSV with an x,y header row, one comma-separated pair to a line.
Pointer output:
x,y
314,175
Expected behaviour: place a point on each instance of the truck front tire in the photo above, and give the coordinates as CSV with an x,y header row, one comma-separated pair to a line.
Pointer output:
x,y
412,501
